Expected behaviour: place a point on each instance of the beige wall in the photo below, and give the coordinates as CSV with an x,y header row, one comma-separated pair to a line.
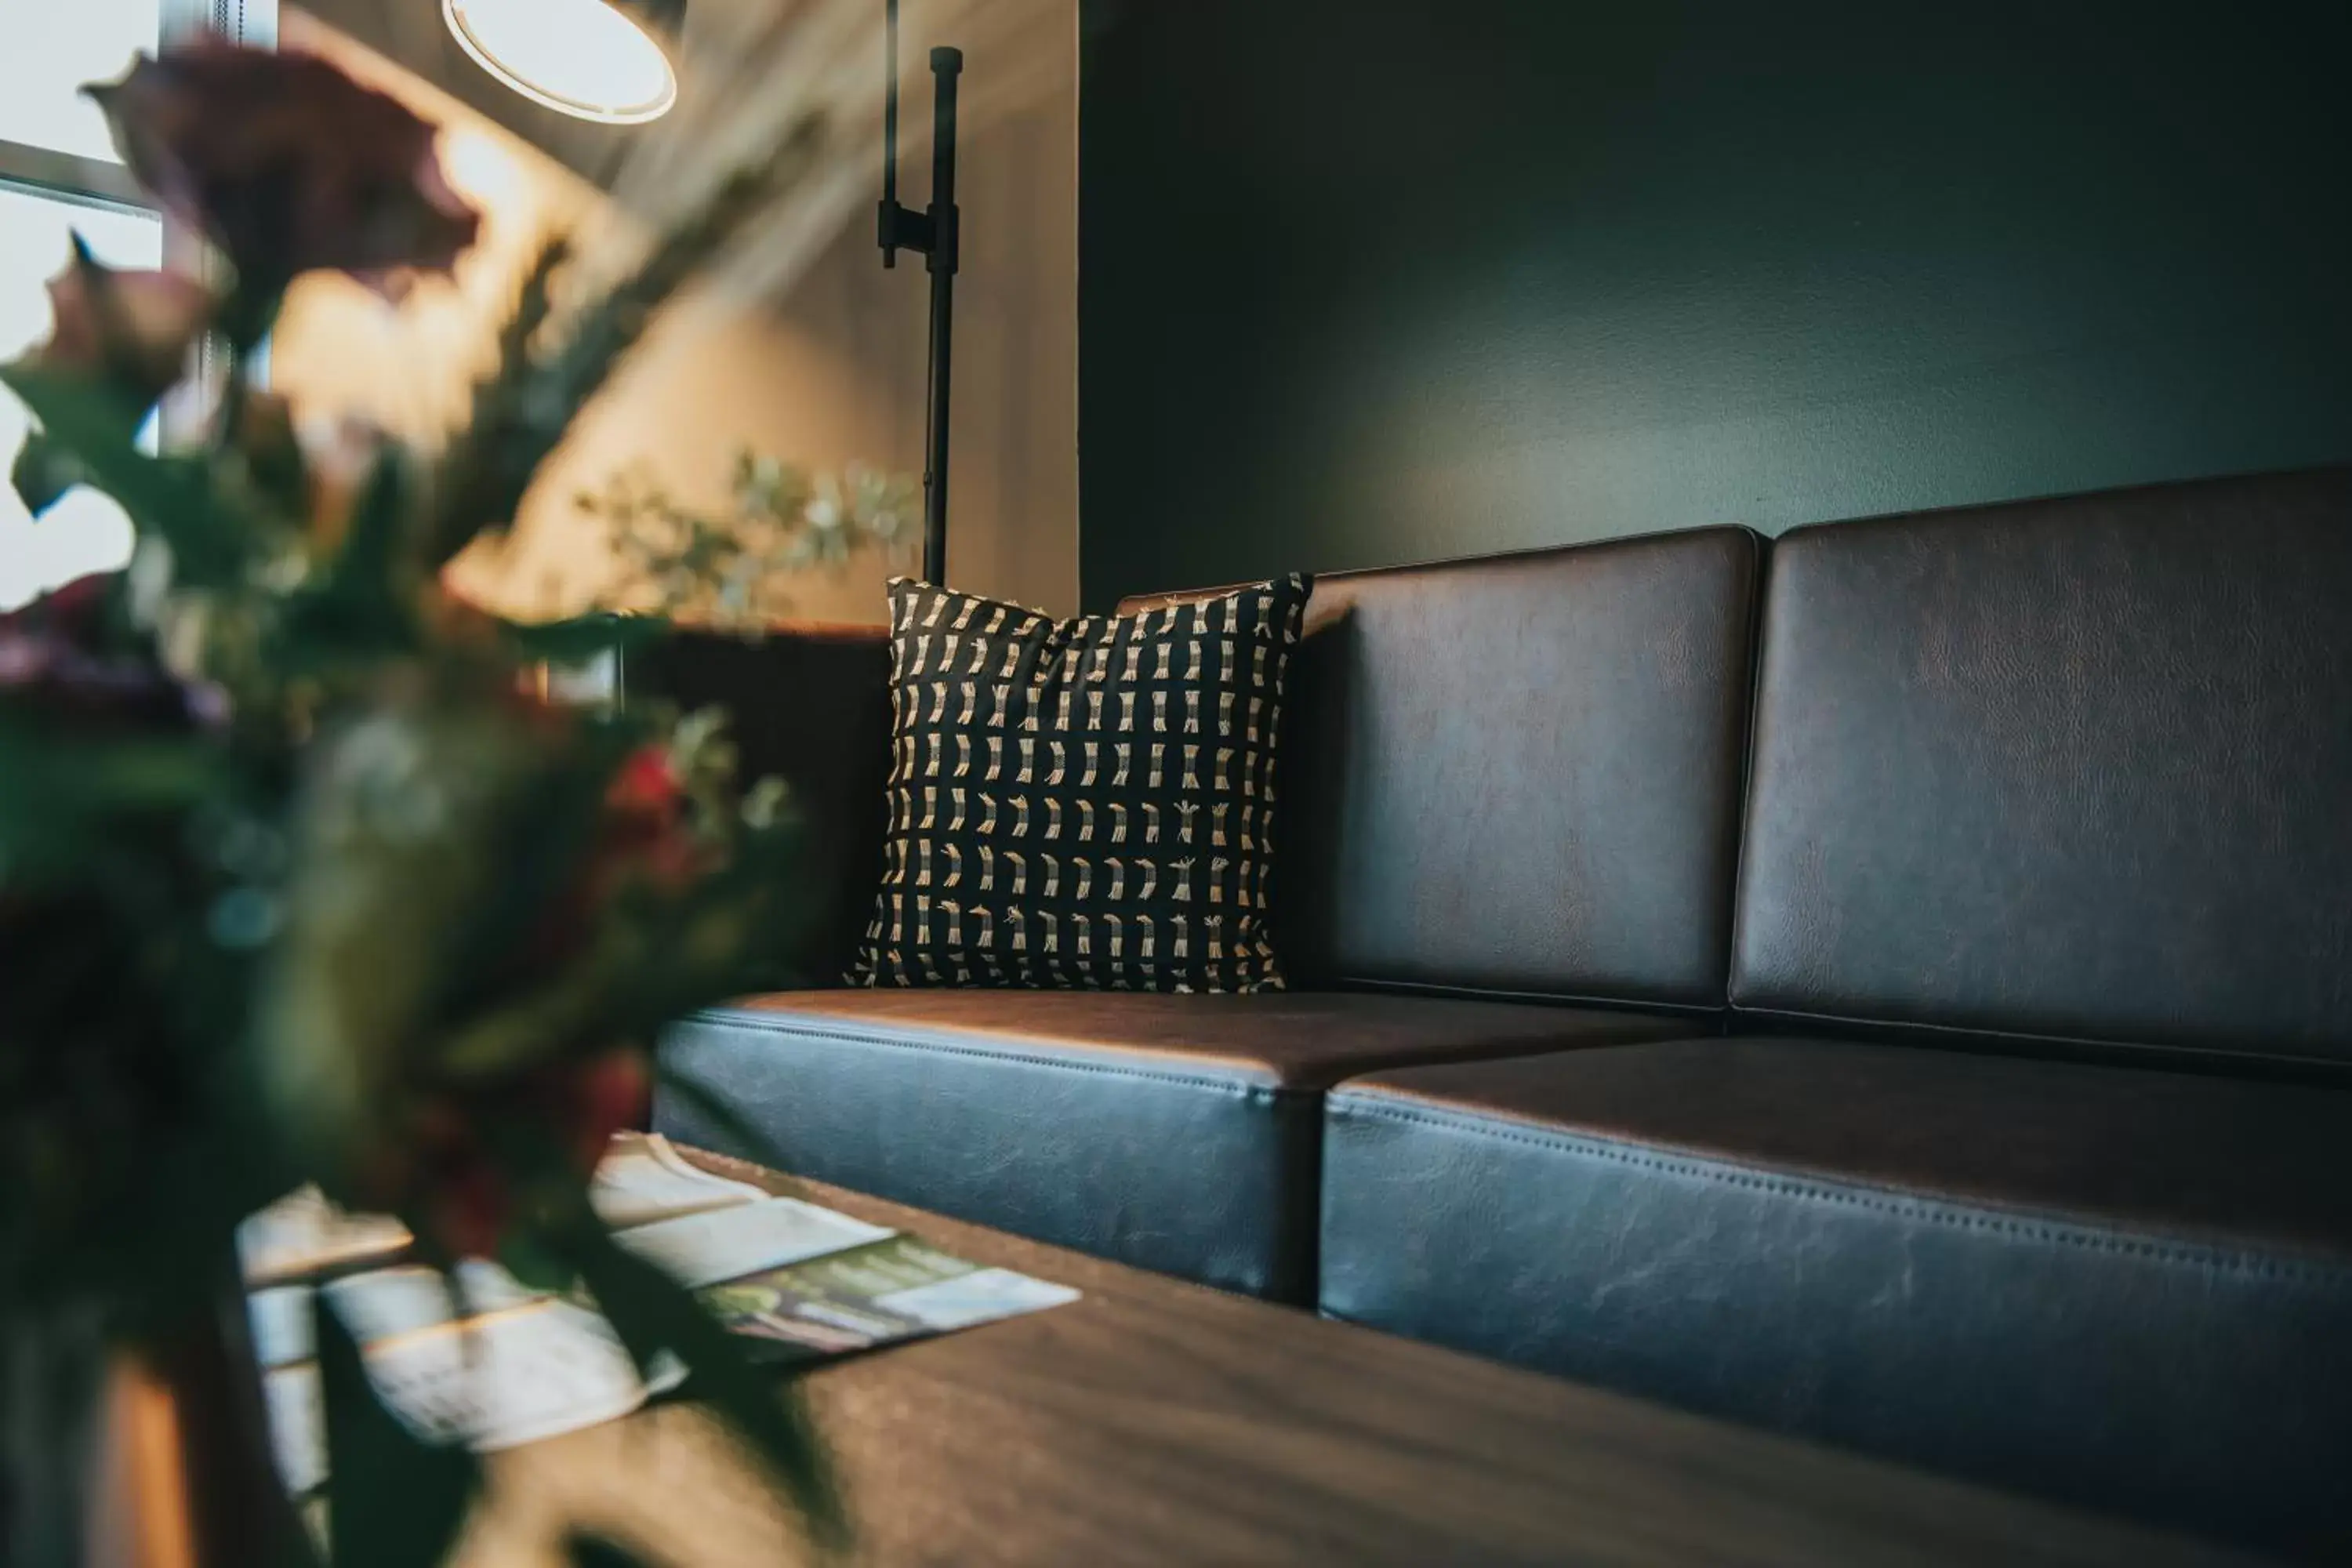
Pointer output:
x,y
830,369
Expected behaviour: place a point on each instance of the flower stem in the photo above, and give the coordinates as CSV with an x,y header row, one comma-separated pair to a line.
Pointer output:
x,y
230,418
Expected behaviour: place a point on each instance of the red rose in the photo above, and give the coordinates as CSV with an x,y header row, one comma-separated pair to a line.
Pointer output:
x,y
610,1094
458,1194
647,787
643,835
51,663
73,611
288,164
133,328
645,825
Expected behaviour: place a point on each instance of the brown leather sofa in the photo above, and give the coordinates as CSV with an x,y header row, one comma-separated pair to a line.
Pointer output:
x,y
1893,984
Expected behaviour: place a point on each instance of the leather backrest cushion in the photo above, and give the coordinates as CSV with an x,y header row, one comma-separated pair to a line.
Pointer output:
x,y
1522,773
813,708
2076,768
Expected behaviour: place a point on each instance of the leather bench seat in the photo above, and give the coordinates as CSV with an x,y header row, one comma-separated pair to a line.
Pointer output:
x,y
1180,1134
2116,1286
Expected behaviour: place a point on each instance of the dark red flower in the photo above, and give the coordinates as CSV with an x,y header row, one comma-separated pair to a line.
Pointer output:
x,y
73,611
646,829
287,163
643,837
646,789
441,1174
134,329
52,665
470,1212
609,1094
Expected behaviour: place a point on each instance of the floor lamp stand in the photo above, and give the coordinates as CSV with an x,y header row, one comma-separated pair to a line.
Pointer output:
x,y
935,234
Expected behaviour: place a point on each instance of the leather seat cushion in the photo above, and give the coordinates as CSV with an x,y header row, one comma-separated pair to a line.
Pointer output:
x,y
2120,1288
1181,1133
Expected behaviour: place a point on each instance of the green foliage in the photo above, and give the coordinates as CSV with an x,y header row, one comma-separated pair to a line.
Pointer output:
x,y
734,569
516,421
64,798
521,412
175,499
42,473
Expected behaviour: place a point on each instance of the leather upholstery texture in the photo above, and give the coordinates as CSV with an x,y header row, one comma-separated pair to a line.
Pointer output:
x,y
1522,773
1181,1133
2118,1287
2074,769
812,709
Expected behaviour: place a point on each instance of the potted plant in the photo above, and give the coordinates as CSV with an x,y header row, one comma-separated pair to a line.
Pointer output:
x,y
733,569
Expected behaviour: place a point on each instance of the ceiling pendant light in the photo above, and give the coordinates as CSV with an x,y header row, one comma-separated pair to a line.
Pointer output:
x,y
587,58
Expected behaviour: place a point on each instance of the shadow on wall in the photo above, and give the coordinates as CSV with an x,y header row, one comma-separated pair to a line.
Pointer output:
x,y
803,347
1372,281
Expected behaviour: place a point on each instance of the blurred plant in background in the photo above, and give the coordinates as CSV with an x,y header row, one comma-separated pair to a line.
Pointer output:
x,y
299,884
733,570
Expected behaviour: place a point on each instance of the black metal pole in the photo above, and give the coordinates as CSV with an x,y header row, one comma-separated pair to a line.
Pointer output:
x,y
936,233
947,65
890,208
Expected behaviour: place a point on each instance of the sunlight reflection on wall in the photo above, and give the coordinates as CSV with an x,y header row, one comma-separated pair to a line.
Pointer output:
x,y
804,347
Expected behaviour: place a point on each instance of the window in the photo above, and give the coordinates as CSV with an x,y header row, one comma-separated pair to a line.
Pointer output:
x,y
59,176
85,532
52,51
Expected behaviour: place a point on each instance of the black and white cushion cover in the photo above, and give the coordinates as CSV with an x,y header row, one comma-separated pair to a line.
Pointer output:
x,y
1084,804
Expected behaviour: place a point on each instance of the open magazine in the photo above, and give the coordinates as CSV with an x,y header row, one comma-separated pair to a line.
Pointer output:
x,y
480,1358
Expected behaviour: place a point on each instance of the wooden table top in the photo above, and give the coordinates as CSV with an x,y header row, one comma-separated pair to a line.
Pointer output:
x,y
1159,1422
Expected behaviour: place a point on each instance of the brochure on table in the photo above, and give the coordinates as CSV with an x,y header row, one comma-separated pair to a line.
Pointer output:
x,y
496,1364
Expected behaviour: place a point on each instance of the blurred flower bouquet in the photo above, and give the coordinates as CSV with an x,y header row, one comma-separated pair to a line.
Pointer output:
x,y
298,884
731,571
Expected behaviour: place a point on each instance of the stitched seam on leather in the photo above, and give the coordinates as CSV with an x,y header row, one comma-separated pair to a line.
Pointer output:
x,y
1015,1058
1565,1001
2328,1277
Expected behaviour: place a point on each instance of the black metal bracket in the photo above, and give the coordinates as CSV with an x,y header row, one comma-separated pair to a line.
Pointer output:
x,y
937,235
904,228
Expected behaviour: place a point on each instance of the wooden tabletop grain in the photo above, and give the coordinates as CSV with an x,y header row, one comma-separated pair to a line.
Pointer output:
x,y
1157,1422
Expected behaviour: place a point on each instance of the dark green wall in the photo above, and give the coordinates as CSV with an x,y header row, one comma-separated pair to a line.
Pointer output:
x,y
1365,281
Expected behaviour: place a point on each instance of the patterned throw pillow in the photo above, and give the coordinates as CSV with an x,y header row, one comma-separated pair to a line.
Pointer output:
x,y
1084,804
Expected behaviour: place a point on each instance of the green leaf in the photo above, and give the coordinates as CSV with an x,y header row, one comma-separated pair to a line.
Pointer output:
x,y
364,603
43,474
394,1501
652,1312
530,1260
171,497
64,797
250,312
491,461
371,556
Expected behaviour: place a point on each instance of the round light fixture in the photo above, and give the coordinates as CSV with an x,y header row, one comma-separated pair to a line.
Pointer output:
x,y
581,57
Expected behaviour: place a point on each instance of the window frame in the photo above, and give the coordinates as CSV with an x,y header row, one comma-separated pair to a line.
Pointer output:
x,y
95,182
76,180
